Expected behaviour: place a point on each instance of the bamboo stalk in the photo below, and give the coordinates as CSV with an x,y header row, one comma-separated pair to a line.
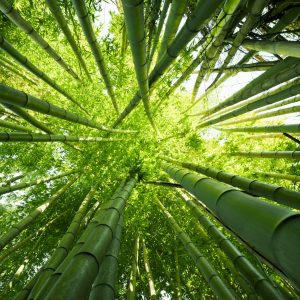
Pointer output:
x,y
255,187
44,138
15,97
273,237
26,27
25,222
278,128
294,178
210,275
85,22
269,154
21,59
62,23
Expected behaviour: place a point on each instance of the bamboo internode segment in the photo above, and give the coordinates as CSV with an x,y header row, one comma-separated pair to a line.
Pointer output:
x,y
20,58
134,20
274,237
35,137
15,97
61,21
87,28
255,187
285,48
286,91
261,285
63,248
26,27
13,126
265,115
269,154
19,186
216,283
89,250
283,71
278,128
251,19
20,226
280,176
198,19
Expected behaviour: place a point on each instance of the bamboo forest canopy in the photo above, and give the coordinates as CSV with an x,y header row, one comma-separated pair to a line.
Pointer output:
x,y
149,149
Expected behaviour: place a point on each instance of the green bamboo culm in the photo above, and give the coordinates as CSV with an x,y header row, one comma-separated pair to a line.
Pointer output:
x,y
288,90
63,248
294,178
89,251
276,128
274,238
261,285
285,48
253,16
131,294
21,59
158,30
85,22
177,10
283,71
19,186
62,22
25,222
269,154
104,284
215,282
44,138
26,27
197,20
22,113
13,126
15,71
134,20
255,187
15,97
11,180
212,51
279,112
149,275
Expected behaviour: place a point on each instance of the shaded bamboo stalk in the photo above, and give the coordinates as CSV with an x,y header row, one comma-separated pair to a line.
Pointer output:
x,y
25,222
62,23
210,275
278,104
285,48
257,280
151,285
266,136
11,180
196,22
163,183
254,14
283,71
269,154
274,238
104,284
134,271
255,187
225,23
21,59
294,178
78,271
275,128
19,186
13,126
15,97
15,71
85,22
134,20
36,137
26,27
279,112
63,247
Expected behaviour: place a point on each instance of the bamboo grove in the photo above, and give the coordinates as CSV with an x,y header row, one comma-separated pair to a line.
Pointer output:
x,y
149,149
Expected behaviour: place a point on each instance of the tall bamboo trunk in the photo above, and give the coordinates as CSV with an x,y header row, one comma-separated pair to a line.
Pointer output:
x,y
269,154
273,238
294,178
